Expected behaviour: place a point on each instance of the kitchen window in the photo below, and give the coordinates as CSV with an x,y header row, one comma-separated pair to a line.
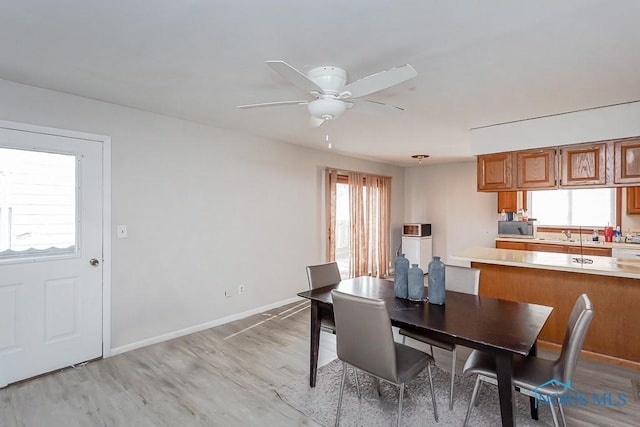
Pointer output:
x,y
593,207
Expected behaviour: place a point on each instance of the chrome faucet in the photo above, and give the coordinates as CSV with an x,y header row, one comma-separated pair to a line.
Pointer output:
x,y
567,233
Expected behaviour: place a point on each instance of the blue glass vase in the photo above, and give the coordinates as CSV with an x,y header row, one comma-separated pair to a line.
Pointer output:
x,y
436,281
416,283
400,276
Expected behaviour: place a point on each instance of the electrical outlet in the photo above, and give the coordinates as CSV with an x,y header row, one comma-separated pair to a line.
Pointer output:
x,y
241,289
227,294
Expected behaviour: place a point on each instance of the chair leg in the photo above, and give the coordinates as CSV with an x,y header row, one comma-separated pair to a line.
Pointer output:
x,y
433,394
355,374
400,403
564,420
453,377
344,376
431,351
379,386
477,401
474,396
553,412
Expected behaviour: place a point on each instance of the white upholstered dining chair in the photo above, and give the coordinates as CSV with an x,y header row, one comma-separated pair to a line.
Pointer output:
x,y
458,279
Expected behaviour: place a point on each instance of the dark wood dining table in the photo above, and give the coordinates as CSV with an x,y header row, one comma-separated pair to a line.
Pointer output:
x,y
502,328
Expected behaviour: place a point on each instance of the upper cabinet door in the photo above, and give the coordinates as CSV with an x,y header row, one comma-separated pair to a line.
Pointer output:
x,y
495,172
627,161
583,164
633,200
536,168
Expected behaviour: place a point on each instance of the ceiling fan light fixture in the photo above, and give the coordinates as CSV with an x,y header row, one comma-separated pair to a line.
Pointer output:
x,y
326,108
330,79
420,157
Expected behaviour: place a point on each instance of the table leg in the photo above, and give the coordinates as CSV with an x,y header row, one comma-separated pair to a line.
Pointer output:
x,y
505,387
315,343
532,400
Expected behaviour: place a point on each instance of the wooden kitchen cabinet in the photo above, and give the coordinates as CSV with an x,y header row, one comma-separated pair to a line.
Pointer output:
x,y
508,201
536,168
553,247
518,246
627,161
546,247
589,250
611,163
583,164
633,200
495,172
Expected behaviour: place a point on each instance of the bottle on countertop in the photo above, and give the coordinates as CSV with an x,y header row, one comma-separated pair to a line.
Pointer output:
x,y
503,215
617,235
525,215
595,235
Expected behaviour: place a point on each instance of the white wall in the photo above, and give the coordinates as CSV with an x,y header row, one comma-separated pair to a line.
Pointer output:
x,y
596,124
446,196
206,210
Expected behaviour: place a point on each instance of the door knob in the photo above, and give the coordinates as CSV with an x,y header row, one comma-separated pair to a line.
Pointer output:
x,y
94,262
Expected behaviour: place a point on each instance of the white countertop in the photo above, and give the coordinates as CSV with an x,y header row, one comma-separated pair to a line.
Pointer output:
x,y
585,243
604,266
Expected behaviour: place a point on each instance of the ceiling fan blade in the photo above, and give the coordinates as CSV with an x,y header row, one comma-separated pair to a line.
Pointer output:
x,y
296,77
271,104
368,106
382,80
315,122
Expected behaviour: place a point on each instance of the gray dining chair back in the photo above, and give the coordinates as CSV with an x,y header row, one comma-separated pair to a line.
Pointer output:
x,y
459,279
537,377
323,275
364,340
574,337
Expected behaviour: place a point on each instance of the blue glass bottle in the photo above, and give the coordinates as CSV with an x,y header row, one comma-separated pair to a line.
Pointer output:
x,y
436,281
400,276
416,283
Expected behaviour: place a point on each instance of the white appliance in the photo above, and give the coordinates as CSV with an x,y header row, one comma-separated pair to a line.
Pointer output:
x,y
418,250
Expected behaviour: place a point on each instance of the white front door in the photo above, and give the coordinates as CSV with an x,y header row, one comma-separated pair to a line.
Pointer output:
x,y
51,251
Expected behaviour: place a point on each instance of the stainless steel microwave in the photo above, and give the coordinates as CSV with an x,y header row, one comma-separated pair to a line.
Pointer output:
x,y
416,230
520,229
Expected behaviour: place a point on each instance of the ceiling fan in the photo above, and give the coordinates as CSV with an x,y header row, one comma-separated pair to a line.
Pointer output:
x,y
332,95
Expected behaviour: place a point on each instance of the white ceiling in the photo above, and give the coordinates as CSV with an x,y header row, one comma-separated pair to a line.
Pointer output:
x,y
479,62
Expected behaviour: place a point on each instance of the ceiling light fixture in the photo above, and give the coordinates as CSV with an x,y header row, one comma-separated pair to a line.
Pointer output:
x,y
326,108
420,157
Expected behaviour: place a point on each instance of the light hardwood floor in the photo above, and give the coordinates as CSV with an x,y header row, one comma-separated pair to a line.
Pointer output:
x,y
226,376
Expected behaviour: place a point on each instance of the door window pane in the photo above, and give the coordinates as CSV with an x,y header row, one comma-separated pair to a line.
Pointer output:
x,y
343,229
37,204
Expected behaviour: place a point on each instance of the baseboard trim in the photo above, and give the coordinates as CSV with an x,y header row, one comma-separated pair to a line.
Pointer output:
x,y
594,356
201,327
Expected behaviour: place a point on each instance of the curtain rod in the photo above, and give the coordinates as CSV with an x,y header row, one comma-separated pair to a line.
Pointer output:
x,y
346,171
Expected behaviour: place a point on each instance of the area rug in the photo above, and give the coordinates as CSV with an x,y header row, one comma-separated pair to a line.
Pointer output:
x,y
320,403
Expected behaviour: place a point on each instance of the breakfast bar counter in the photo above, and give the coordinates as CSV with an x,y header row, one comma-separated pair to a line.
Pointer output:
x,y
587,264
556,279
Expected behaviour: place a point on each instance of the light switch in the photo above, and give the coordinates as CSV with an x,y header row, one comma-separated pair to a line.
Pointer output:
x,y
122,231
